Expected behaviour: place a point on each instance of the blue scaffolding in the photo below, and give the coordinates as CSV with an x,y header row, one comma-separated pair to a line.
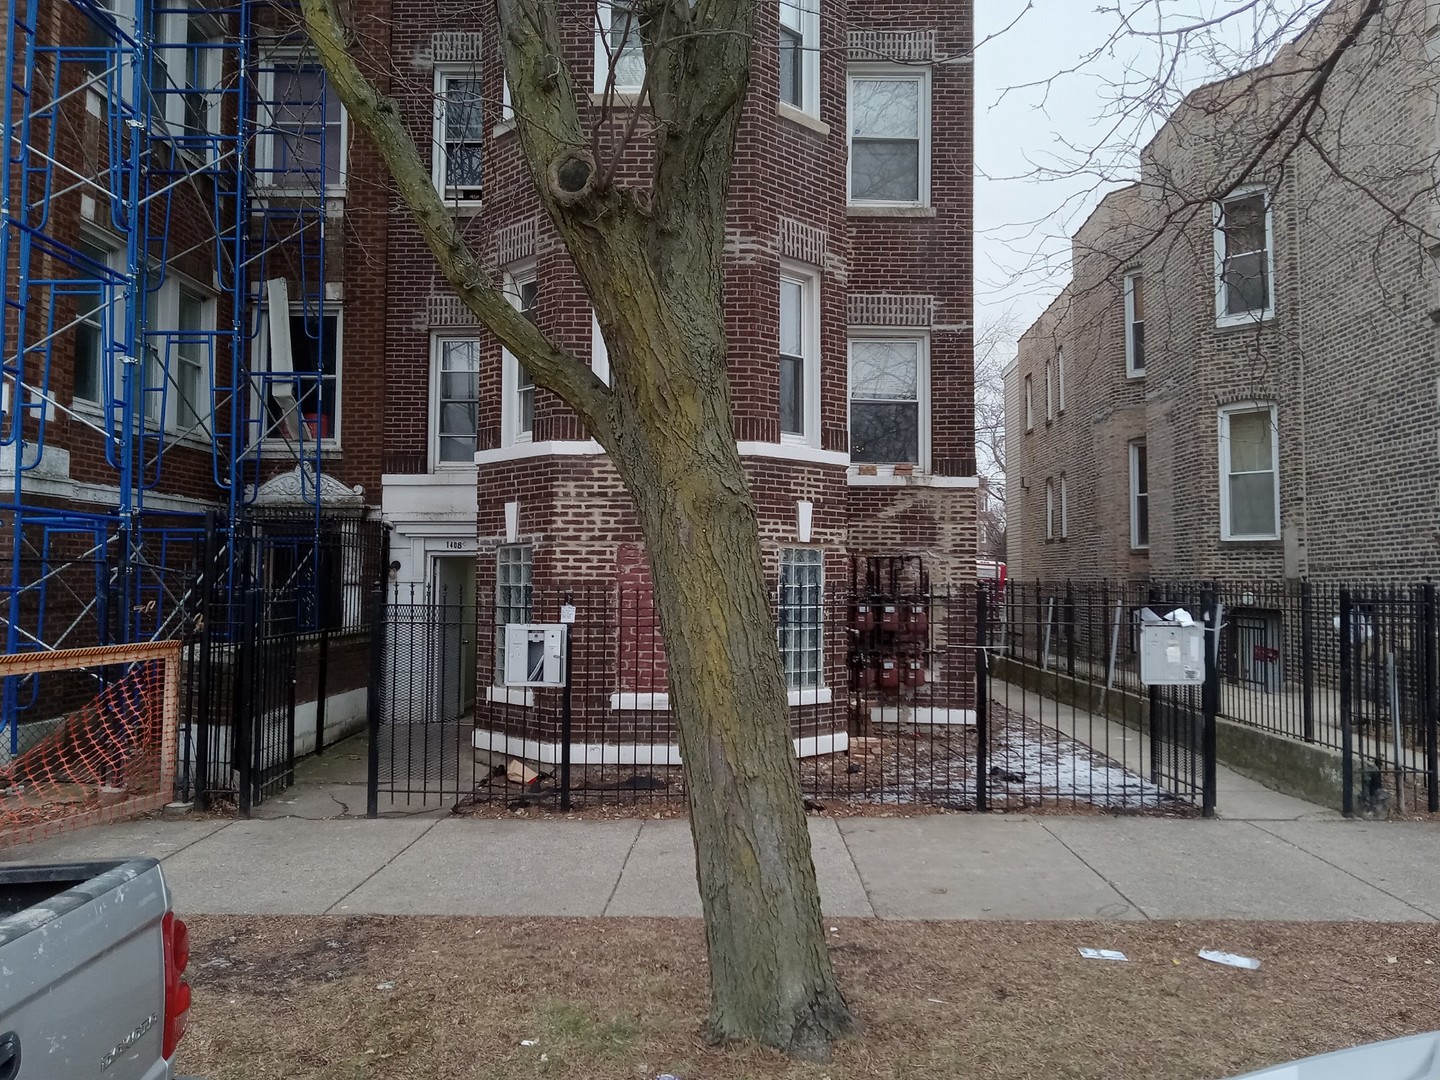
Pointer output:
x,y
127,119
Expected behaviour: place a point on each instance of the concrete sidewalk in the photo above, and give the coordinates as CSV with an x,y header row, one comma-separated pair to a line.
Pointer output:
x,y
954,866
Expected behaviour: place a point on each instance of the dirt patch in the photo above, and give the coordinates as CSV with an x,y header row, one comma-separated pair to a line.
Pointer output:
x,y
615,999
893,772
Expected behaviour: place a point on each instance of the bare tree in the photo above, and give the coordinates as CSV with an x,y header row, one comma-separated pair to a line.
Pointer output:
x,y
649,250
994,347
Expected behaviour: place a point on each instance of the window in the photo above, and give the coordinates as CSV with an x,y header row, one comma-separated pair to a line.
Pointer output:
x,y
1134,324
800,55
1060,380
1064,508
1139,497
1243,291
799,361
1049,509
801,621
513,597
618,49
1049,393
165,105
459,135
889,124
599,351
886,381
457,400
204,39
91,330
185,70
302,136
314,390
1249,477
102,37
194,320
1029,403
517,418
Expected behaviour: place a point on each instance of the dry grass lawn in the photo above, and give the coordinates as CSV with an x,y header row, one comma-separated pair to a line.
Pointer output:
x,y
325,998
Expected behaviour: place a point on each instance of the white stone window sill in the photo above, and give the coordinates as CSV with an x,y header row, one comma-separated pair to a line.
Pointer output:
x,y
786,111
885,476
504,127
620,99
855,211
822,695
814,695
1250,319
509,695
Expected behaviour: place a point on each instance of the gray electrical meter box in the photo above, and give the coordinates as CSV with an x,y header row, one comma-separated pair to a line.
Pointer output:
x,y
1171,654
535,654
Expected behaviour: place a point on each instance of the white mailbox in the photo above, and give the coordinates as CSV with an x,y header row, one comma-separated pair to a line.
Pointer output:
x,y
535,654
1171,654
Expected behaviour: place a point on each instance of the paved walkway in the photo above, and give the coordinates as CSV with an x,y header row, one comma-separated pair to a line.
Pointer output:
x,y
1268,857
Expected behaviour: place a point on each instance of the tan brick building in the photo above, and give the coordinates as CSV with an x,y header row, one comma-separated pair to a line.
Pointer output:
x,y
1240,380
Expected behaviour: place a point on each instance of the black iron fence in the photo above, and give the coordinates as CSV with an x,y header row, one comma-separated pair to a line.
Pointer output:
x,y
893,702
279,627
1350,669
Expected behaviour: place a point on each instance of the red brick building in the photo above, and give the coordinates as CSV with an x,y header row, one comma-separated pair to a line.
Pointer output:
x,y
849,281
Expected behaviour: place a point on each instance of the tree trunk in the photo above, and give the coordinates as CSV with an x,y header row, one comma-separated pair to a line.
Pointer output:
x,y
653,263
771,978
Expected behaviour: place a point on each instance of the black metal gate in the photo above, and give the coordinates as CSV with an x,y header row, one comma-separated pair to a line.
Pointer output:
x,y
263,614
265,698
422,700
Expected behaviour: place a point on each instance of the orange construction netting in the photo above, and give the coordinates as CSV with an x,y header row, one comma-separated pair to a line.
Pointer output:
x,y
111,757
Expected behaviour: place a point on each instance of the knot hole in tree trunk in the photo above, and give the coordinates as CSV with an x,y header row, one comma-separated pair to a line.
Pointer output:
x,y
572,175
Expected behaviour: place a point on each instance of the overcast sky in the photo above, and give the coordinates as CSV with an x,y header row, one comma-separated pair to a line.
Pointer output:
x,y
1020,217
1023,219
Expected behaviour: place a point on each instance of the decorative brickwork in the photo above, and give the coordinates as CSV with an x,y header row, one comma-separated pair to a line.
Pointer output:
x,y
797,240
904,46
457,47
889,309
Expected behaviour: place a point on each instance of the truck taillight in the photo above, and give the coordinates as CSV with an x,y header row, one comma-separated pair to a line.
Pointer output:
x,y
177,991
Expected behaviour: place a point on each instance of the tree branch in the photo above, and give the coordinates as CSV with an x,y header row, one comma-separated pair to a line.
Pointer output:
x,y
552,367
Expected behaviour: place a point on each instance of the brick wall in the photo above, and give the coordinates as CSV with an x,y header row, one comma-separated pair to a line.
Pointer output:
x,y
1348,357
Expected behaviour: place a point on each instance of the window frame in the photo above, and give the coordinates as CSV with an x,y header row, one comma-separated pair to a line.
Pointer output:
x,y
1064,507
1226,413
202,429
1029,403
1134,449
438,339
1132,369
466,197
806,26
890,72
212,30
604,16
922,388
808,278
794,675
1059,382
599,350
514,279
1049,509
1253,315
525,560
1049,393
267,129
97,76
299,308
110,310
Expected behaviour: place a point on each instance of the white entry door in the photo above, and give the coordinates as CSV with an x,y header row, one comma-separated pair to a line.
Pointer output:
x,y
452,594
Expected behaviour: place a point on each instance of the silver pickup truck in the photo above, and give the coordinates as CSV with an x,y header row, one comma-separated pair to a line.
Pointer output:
x,y
92,972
